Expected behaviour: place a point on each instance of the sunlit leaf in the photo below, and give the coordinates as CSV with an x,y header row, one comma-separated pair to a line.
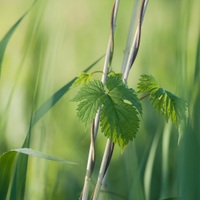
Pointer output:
x,y
82,79
147,84
170,106
90,96
120,91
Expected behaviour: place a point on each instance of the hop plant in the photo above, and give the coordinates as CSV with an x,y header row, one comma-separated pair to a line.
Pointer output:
x,y
119,119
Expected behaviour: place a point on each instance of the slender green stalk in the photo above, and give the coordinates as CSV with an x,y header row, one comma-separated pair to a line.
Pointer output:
x,y
95,124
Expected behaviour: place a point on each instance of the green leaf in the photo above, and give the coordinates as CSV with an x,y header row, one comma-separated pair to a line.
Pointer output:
x,y
169,105
90,97
119,117
147,84
82,79
119,108
119,121
118,90
175,108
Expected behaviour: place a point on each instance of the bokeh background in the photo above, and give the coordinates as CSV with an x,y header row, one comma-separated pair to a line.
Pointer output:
x,y
52,45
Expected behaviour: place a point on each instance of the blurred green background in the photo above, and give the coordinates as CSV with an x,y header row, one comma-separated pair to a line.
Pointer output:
x,y
58,40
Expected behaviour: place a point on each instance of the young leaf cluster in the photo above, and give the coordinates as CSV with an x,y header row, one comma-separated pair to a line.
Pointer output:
x,y
119,105
170,106
82,79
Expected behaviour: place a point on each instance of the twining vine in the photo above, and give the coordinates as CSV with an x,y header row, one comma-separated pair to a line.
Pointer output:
x,y
115,107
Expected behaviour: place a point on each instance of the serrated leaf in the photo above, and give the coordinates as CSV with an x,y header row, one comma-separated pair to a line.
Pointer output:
x,y
119,117
147,84
119,122
82,79
119,91
90,97
168,104
119,108
175,108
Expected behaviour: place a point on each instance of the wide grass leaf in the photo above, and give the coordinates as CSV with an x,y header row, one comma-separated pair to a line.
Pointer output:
x,y
7,161
19,181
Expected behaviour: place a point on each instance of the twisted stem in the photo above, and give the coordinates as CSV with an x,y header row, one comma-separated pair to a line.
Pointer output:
x,y
110,145
95,123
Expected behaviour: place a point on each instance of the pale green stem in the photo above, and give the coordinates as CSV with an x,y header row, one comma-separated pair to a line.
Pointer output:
x,y
109,52
102,169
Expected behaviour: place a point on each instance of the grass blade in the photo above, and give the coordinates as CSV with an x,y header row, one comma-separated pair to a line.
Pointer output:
x,y
46,106
6,168
6,38
19,180
39,154
149,165
8,35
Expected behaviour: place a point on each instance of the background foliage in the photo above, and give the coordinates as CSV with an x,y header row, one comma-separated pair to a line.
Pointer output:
x,y
53,44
